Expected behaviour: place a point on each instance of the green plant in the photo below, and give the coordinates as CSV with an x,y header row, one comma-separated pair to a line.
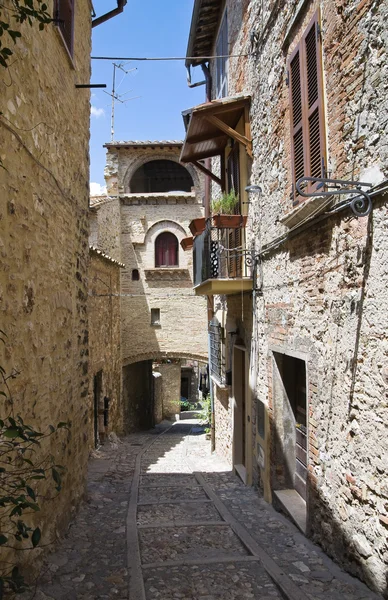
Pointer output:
x,y
23,466
225,204
185,404
19,11
206,413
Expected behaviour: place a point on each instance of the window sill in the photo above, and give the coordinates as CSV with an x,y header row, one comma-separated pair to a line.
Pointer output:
x,y
162,273
65,48
310,208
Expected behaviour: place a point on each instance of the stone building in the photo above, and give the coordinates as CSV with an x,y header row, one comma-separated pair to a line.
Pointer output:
x,y
44,205
299,346
105,392
150,202
44,244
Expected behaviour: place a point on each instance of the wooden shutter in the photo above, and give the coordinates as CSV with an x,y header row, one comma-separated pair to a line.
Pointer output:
x,y
308,154
64,16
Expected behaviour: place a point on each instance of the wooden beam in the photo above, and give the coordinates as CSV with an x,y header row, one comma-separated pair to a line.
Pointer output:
x,y
202,168
205,137
231,133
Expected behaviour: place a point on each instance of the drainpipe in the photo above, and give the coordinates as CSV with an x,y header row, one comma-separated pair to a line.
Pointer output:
x,y
110,14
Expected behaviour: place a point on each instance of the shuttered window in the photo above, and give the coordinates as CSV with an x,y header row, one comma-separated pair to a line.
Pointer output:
x,y
222,61
64,19
308,152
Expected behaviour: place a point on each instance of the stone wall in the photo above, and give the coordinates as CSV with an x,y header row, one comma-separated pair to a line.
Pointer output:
x,y
170,388
321,295
44,136
104,342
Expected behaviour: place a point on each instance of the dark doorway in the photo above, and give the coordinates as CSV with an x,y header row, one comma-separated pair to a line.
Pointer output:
x,y
293,411
240,414
138,396
97,391
161,176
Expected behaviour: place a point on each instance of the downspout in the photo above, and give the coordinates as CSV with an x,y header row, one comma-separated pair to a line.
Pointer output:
x,y
110,14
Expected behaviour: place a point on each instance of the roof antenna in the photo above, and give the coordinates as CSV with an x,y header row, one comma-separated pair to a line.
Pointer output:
x,y
118,97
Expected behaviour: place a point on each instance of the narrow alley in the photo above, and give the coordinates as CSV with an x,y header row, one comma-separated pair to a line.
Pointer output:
x,y
165,519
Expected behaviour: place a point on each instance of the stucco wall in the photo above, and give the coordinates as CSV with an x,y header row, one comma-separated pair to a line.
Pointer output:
x,y
44,136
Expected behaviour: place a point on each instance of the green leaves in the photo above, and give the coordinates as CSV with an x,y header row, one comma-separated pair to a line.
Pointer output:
x,y
24,464
30,11
35,538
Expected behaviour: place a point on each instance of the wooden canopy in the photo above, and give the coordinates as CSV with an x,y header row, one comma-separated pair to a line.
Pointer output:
x,y
212,124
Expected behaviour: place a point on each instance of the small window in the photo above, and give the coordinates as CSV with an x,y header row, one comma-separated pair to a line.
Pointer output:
x,y
64,19
155,316
166,250
135,275
222,51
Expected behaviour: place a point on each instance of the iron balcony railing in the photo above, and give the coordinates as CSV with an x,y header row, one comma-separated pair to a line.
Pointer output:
x,y
219,253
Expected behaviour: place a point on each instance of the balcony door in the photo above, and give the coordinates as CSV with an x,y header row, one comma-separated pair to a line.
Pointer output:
x,y
235,235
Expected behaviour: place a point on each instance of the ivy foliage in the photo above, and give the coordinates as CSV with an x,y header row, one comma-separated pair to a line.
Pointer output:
x,y
23,466
14,13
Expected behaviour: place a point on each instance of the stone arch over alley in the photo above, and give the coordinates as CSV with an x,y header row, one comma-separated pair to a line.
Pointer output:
x,y
163,323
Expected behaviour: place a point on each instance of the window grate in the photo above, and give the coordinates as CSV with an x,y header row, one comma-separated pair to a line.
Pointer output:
x,y
215,353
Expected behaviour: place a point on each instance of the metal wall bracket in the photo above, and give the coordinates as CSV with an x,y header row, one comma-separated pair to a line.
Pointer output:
x,y
361,204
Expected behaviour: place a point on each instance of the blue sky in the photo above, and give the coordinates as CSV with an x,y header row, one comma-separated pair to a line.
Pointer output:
x,y
146,28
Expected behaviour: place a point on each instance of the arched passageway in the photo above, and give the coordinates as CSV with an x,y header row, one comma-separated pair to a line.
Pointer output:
x,y
161,176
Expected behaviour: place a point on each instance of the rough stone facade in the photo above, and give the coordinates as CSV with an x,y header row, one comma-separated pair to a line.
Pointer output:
x,y
170,393
44,136
126,225
321,290
105,396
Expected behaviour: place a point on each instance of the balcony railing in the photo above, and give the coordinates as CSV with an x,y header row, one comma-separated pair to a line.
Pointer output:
x,y
219,254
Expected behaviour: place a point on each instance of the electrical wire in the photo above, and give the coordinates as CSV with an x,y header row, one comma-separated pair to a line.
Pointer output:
x,y
161,58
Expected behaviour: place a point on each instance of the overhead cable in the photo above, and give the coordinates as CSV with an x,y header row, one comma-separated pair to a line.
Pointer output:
x,y
170,57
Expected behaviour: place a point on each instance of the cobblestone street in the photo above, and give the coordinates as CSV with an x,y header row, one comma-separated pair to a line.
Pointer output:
x,y
163,519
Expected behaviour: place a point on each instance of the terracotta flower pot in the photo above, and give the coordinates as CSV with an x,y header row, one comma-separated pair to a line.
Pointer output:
x,y
187,243
229,221
197,225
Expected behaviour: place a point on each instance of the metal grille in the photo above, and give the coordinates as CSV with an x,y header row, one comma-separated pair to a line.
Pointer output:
x,y
215,352
219,254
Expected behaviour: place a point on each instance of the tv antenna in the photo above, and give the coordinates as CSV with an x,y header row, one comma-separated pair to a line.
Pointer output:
x,y
118,97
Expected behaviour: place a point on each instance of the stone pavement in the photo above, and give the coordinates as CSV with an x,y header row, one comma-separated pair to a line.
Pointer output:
x,y
165,520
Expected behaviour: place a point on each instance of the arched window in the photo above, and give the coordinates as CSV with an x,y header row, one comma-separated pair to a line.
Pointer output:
x,y
161,176
135,275
166,250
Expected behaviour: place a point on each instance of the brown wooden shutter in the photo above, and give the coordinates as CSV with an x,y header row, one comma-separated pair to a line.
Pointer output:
x,y
306,100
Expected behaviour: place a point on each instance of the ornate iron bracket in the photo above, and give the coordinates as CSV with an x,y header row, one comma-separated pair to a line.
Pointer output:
x,y
361,204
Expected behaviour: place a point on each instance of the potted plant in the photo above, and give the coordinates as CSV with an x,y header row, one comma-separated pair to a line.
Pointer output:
x,y
187,243
224,211
197,225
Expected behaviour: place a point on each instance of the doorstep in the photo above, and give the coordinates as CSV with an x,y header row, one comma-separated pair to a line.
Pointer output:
x,y
289,502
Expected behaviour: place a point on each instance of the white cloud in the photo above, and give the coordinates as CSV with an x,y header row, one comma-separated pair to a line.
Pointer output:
x,y
96,189
97,112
